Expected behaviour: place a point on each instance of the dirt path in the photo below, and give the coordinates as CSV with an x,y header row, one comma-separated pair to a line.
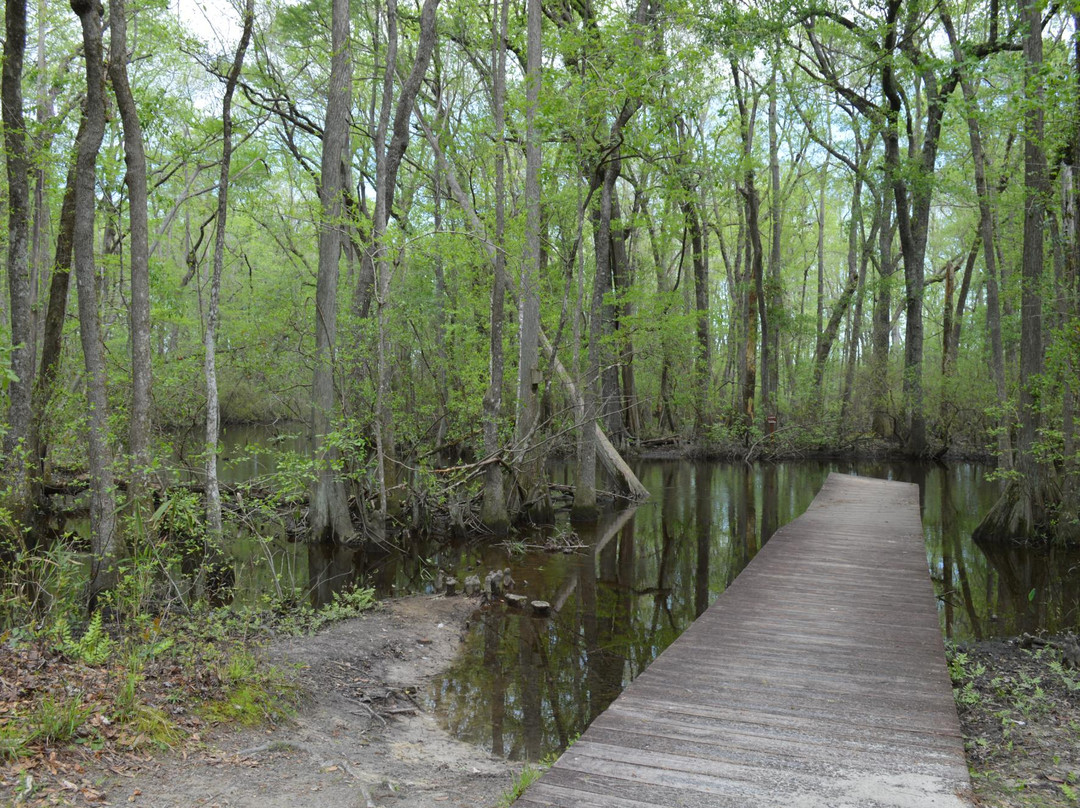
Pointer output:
x,y
359,741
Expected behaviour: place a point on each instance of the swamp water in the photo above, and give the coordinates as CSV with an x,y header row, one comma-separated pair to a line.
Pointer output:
x,y
524,686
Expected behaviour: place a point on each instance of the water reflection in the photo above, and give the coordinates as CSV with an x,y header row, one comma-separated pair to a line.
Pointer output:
x,y
523,686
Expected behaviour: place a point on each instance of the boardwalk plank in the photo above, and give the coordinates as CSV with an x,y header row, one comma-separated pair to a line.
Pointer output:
x,y
816,679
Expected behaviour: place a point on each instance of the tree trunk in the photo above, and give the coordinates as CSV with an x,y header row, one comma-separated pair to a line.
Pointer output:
x,y
388,156
529,461
328,510
135,178
493,510
821,250
827,336
105,540
986,234
52,344
879,370
1024,510
770,356
857,325
212,545
693,227
755,262
18,257
584,508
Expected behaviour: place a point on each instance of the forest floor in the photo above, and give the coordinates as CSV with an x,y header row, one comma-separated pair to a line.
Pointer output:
x,y
358,739
1019,707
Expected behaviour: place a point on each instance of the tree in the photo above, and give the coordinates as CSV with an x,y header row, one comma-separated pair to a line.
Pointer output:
x,y
105,539
529,461
138,195
1026,505
328,509
18,257
213,494
493,510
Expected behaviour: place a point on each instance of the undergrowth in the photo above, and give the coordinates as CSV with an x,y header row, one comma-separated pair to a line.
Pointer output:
x,y
130,675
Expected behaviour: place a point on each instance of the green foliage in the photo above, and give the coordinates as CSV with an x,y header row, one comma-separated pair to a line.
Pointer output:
x,y
93,647
529,774
303,619
57,722
7,375
253,693
50,721
38,588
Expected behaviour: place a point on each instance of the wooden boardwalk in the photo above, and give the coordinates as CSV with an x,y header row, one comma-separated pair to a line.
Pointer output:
x,y
816,680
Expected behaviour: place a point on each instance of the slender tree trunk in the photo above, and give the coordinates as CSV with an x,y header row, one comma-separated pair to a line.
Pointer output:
x,y
879,369
52,342
388,156
770,358
493,510
986,234
328,510
665,406
584,508
212,545
821,250
135,178
624,280
18,257
857,325
105,540
827,336
1024,508
1036,192
755,262
695,232
529,462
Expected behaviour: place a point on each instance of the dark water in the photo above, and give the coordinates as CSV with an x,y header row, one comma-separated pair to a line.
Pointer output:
x,y
524,686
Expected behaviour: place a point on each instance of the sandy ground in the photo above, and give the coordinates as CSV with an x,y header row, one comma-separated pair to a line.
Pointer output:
x,y
359,740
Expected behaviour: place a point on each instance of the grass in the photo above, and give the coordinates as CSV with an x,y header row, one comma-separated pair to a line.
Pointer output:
x,y
528,775
253,693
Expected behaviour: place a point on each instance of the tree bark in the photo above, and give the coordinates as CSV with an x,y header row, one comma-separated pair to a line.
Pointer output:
x,y
986,234
18,257
692,222
1024,509
135,179
388,156
213,541
529,462
879,367
328,510
52,343
755,263
827,336
770,355
105,540
584,508
493,513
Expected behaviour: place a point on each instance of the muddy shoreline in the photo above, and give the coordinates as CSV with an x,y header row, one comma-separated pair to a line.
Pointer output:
x,y
362,738
359,739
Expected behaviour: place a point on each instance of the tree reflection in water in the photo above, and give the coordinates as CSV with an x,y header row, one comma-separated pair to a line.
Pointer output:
x,y
524,686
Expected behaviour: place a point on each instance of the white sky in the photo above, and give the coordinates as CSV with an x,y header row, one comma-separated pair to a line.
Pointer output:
x,y
215,22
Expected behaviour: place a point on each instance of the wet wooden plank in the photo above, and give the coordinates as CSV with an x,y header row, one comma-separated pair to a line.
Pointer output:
x,y
816,679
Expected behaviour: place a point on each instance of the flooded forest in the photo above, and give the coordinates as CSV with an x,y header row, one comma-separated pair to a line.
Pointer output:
x,y
352,293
